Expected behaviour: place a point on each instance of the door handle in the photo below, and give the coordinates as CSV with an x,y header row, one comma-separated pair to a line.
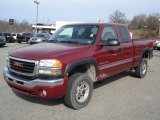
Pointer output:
x,y
120,50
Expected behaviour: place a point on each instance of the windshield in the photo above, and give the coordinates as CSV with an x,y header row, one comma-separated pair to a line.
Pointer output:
x,y
81,34
39,35
1,34
27,34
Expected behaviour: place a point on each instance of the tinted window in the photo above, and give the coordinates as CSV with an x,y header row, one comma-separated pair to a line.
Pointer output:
x,y
39,35
123,33
109,32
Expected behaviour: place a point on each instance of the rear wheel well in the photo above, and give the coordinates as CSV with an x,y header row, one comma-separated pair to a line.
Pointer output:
x,y
85,68
147,53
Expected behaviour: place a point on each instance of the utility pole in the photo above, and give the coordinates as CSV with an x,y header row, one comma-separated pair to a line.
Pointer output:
x,y
37,3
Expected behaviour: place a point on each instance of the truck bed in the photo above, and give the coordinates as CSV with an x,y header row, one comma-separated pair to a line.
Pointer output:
x,y
139,46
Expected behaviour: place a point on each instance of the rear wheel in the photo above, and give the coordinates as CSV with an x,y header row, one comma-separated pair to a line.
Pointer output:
x,y
79,91
141,70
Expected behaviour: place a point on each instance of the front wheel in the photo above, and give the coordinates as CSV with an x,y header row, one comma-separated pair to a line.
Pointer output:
x,y
141,70
79,91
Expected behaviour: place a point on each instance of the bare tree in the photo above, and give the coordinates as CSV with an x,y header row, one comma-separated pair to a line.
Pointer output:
x,y
153,21
118,17
17,27
139,21
3,26
133,23
145,21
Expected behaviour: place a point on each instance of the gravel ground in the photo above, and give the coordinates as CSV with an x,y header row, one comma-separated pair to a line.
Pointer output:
x,y
121,97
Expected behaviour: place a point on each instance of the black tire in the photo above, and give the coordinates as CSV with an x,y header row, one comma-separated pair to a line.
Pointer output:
x,y
19,41
141,70
75,82
14,41
7,41
1,45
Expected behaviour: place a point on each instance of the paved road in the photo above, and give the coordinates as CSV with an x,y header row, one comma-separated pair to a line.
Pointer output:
x,y
122,97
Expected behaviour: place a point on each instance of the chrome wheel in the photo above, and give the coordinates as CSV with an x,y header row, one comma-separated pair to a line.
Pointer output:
x,y
82,91
141,70
144,68
79,92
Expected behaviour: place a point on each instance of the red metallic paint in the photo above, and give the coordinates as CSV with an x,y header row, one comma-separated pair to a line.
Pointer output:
x,y
52,92
68,53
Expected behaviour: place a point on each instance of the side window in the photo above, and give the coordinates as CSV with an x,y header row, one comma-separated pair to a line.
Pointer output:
x,y
94,30
123,33
109,32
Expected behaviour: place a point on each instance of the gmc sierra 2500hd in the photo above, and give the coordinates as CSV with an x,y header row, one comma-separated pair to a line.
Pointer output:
x,y
75,57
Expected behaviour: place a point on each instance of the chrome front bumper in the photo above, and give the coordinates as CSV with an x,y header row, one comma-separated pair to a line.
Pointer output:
x,y
30,84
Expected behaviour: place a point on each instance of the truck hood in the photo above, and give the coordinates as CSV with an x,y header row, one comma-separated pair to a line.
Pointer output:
x,y
47,51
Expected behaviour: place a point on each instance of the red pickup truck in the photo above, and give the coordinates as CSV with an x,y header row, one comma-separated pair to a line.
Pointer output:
x,y
74,58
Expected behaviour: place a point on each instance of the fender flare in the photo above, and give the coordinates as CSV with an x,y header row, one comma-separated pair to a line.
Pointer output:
x,y
146,50
72,65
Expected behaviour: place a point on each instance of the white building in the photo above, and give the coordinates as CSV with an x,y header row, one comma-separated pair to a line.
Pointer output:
x,y
61,23
51,28
44,28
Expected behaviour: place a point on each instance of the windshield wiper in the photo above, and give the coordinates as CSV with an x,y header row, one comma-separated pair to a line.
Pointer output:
x,y
53,41
69,41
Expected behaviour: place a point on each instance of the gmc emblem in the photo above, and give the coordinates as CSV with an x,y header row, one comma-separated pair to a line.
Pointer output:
x,y
18,64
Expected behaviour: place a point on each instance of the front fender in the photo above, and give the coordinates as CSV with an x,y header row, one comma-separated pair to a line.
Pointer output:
x,y
72,65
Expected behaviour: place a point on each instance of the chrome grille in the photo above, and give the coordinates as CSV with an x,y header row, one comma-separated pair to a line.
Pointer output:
x,y
23,66
27,67
28,78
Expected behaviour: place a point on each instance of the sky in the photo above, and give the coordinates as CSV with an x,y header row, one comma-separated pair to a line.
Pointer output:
x,y
51,11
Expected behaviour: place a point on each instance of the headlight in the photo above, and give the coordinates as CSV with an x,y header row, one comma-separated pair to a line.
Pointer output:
x,y
50,67
39,40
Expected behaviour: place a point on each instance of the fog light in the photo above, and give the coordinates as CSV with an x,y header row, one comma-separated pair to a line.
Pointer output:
x,y
43,93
